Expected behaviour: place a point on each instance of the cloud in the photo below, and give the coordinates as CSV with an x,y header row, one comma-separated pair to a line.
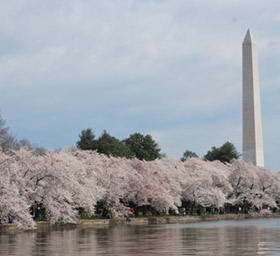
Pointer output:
x,y
162,67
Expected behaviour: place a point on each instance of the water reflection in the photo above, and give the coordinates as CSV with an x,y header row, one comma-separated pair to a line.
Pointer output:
x,y
250,237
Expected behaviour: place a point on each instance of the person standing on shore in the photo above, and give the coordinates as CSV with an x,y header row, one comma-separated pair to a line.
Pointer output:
x,y
10,219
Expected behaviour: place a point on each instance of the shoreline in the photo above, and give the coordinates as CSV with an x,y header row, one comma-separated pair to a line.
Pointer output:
x,y
103,223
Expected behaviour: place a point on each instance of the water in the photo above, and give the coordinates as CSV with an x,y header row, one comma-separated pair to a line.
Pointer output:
x,y
243,237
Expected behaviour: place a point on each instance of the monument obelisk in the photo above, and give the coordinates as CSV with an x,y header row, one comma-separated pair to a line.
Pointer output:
x,y
252,120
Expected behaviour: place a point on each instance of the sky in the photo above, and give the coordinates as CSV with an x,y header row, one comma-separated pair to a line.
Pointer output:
x,y
169,68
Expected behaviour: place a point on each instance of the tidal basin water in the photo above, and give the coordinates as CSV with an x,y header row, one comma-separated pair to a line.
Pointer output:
x,y
242,237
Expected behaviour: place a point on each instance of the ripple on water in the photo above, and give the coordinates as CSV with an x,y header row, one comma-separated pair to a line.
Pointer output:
x,y
246,237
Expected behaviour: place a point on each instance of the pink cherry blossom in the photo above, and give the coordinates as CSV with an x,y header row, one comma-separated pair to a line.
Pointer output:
x,y
64,182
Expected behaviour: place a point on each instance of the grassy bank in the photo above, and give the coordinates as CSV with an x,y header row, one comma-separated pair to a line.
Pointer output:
x,y
173,219
95,223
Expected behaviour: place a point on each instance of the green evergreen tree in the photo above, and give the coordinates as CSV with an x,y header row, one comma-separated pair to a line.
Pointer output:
x,y
226,153
87,141
143,147
111,146
187,154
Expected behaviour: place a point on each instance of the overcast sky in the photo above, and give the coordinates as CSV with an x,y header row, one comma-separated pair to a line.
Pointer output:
x,y
170,68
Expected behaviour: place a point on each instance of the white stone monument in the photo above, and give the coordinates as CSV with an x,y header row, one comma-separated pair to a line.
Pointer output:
x,y
252,120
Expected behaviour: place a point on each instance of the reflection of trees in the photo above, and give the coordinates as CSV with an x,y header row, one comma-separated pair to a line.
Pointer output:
x,y
141,240
223,240
210,238
17,243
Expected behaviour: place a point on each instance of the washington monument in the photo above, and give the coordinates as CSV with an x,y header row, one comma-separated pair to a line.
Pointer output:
x,y
252,119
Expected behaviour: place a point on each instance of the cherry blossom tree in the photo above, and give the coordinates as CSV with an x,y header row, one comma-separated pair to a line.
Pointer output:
x,y
208,184
13,200
253,187
62,183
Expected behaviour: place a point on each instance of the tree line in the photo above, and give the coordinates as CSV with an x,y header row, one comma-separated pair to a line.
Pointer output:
x,y
144,147
106,177
137,145
62,187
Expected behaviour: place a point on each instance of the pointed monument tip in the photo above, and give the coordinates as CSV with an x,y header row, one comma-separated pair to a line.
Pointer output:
x,y
248,38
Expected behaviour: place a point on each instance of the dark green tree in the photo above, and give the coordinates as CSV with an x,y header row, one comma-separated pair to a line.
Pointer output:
x,y
143,146
111,146
87,141
187,154
226,153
